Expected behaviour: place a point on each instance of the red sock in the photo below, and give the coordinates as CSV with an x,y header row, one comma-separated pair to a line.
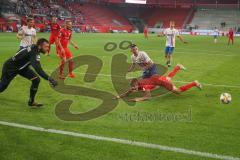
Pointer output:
x,y
174,72
70,65
62,67
188,86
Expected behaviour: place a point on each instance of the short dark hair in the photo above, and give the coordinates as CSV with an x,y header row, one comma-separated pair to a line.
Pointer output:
x,y
41,41
133,81
132,46
30,19
67,21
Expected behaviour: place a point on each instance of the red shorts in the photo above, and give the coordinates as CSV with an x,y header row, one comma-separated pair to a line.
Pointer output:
x,y
231,38
67,54
52,39
163,81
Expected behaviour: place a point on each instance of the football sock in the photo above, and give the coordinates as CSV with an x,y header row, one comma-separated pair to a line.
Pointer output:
x,y
62,67
174,72
33,93
70,65
168,62
188,86
34,89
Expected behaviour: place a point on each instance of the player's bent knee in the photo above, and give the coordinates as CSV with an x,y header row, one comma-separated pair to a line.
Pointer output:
x,y
63,59
176,90
69,58
169,79
36,81
2,88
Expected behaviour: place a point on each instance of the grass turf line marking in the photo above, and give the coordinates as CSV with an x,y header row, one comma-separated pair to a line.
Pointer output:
x,y
204,53
184,82
184,50
121,141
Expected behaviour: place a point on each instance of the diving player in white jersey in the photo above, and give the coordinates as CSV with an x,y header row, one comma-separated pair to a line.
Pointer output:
x,y
27,34
215,34
171,33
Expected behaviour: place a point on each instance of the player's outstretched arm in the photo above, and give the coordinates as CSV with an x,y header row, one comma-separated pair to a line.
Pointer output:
x,y
35,62
181,39
125,94
35,39
132,67
146,96
74,45
161,34
19,36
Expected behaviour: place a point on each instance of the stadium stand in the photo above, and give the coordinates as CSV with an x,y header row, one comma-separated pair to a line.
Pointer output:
x,y
164,15
98,15
220,18
108,15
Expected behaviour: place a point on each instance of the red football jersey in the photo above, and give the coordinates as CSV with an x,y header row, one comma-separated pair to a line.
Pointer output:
x,y
231,33
146,84
151,83
65,35
145,30
55,28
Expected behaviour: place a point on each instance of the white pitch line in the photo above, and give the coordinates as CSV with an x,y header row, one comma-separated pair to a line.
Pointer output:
x,y
184,82
203,53
121,141
184,50
212,85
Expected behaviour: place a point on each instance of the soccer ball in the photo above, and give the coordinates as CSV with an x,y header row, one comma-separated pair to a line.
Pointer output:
x,y
225,98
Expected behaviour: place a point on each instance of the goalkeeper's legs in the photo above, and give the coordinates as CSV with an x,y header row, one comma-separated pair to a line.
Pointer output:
x,y
4,83
6,79
33,90
32,76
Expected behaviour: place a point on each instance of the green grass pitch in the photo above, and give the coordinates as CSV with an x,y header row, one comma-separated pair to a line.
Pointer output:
x,y
213,128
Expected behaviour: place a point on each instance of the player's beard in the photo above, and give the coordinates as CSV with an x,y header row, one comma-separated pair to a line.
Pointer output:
x,y
42,51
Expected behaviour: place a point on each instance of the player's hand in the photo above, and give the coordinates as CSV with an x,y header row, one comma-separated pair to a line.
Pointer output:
x,y
132,100
160,35
76,47
52,82
117,97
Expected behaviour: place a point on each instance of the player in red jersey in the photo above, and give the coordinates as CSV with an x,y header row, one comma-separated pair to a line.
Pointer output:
x,y
230,36
145,31
147,85
53,39
65,37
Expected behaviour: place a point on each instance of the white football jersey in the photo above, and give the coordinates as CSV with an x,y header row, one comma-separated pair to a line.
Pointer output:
x,y
171,36
141,59
28,36
216,32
